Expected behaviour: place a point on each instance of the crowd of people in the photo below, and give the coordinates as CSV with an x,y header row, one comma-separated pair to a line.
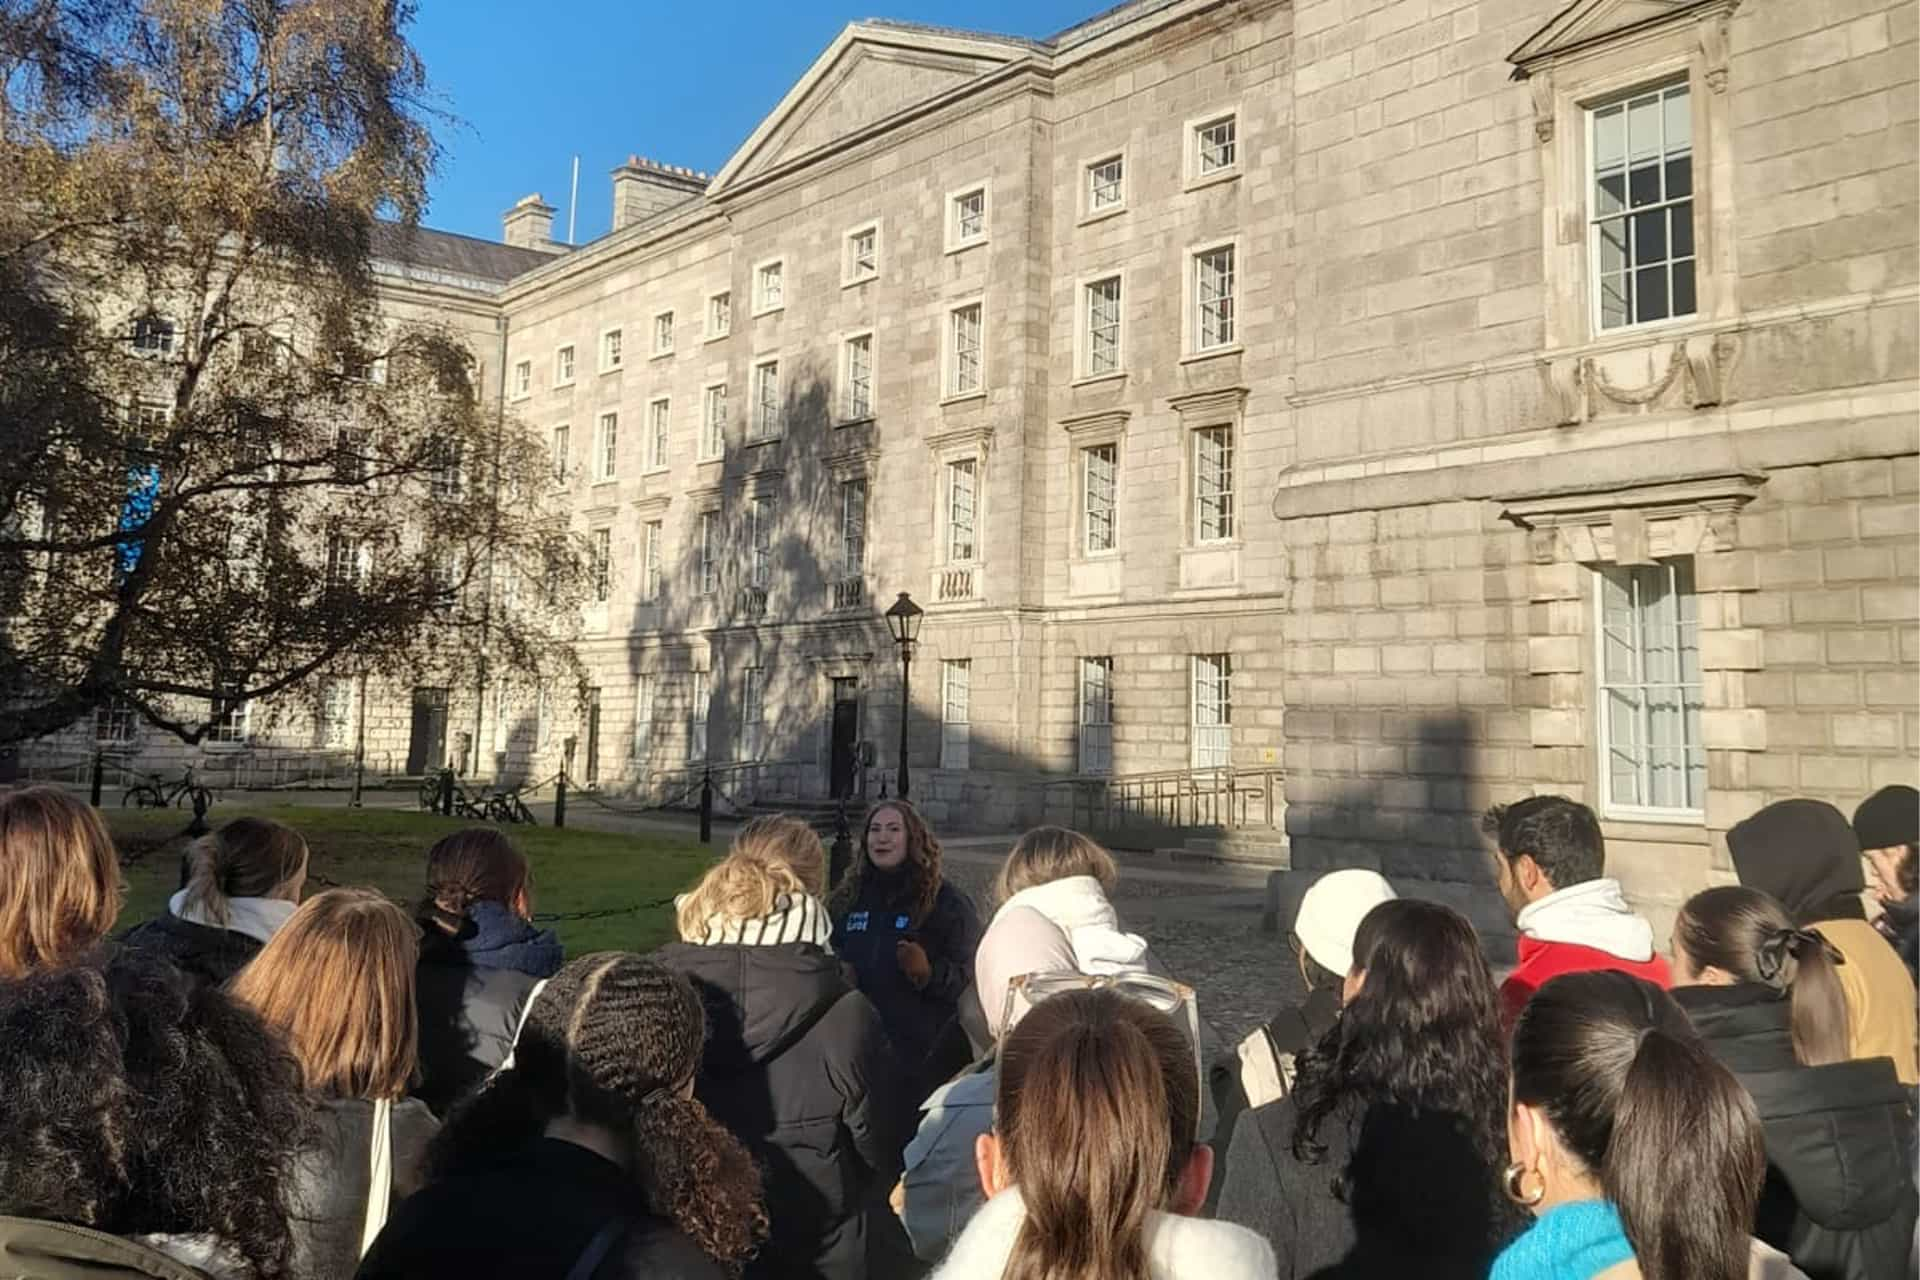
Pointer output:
x,y
865,1080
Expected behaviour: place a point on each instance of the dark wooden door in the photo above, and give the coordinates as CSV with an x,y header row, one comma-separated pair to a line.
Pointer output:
x,y
427,745
593,736
843,764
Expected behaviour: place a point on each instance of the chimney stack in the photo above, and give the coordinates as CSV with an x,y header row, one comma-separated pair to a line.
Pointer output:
x,y
642,188
529,225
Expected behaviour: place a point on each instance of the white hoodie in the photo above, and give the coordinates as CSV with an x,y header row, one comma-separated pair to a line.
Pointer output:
x,y
1593,913
1079,907
1177,1248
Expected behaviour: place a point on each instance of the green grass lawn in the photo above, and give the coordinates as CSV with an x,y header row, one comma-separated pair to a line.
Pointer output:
x,y
386,849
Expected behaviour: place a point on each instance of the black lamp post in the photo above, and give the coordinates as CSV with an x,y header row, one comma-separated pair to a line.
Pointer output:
x,y
903,620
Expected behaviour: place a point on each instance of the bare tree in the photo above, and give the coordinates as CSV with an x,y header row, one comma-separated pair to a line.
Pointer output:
x,y
225,470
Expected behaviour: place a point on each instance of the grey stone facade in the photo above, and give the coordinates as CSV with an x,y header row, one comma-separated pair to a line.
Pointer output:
x,y
1441,448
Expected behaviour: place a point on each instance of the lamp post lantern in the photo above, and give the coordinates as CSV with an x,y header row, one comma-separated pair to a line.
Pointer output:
x,y
903,620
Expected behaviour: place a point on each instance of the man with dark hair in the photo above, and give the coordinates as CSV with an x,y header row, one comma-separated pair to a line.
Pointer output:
x,y
1888,825
1550,861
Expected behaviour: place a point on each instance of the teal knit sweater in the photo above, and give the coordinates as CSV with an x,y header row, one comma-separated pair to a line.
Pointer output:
x,y
1574,1241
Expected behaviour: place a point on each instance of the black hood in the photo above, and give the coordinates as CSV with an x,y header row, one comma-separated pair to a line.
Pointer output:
x,y
1839,1136
1804,854
759,1000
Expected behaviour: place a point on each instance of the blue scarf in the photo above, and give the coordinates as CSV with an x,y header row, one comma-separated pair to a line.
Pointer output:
x,y
1573,1241
502,940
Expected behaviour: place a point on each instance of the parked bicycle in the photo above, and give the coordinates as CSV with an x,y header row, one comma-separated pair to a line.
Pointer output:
x,y
158,793
507,807
484,805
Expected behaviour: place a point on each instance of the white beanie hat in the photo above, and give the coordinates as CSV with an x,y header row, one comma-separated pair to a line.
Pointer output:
x,y
1331,911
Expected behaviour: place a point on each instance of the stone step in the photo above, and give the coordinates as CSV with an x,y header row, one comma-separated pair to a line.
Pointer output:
x,y
1262,848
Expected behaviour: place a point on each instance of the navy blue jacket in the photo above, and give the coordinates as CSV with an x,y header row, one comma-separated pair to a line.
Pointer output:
x,y
865,936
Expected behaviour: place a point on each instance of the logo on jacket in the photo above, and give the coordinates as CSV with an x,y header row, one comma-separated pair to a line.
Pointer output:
x,y
900,922
857,922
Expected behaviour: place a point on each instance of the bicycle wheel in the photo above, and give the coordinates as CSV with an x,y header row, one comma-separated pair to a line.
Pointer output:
x,y
142,795
522,814
430,794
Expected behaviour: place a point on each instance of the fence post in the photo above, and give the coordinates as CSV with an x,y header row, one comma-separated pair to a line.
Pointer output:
x,y
446,793
706,806
99,767
842,852
560,799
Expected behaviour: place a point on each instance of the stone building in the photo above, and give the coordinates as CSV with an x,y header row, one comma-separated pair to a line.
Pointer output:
x,y
1410,403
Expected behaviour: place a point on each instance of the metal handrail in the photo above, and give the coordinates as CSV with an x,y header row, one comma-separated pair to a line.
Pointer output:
x,y
1218,796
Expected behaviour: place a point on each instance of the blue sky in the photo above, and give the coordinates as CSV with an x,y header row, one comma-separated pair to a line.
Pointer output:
x,y
534,84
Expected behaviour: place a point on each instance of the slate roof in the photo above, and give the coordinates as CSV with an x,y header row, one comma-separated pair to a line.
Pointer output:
x,y
452,254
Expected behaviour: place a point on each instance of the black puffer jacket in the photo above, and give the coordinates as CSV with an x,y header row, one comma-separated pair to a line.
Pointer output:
x,y
472,990
202,952
798,1067
334,1174
1839,1198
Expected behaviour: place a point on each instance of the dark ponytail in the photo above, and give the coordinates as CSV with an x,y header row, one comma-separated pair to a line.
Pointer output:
x,y
1632,1094
476,864
1744,932
614,1041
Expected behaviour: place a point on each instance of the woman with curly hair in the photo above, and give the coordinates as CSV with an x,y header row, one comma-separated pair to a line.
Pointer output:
x,y
1385,1159
337,983
150,1127
909,935
589,1156
59,880
238,886
480,960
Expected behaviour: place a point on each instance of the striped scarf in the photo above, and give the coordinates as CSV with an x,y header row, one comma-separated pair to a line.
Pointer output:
x,y
796,917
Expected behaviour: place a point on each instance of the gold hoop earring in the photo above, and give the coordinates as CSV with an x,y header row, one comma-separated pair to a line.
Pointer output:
x,y
1513,1183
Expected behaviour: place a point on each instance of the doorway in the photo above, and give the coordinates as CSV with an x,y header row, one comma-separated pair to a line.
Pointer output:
x,y
593,736
427,744
843,760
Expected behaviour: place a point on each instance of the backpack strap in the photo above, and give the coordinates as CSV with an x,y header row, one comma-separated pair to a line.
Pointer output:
x,y
379,1174
597,1250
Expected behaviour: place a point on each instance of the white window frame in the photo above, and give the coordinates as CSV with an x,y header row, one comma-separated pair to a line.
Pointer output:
x,y
606,447
659,433
153,335
600,563
1629,215
1084,348
713,421
347,570
564,366
640,737
1091,186
1210,705
1197,173
522,385
653,536
1226,500
1603,688
951,365
1196,346
116,724
663,331
761,514
613,349
851,270
234,728
1084,459
708,535
699,709
853,526
719,308
766,423
560,452
854,407
752,739
950,469
953,217
1095,697
956,713
764,301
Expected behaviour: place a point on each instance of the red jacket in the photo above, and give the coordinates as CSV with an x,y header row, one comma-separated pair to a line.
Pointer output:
x,y
1541,961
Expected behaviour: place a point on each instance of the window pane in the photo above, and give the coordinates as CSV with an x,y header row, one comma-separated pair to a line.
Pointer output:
x,y
1649,237
1610,191
1679,119
1613,245
1643,127
1643,185
1650,294
1615,301
1609,137
1684,302
1651,693
1679,177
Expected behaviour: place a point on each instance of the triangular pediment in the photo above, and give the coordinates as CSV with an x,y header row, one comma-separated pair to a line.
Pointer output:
x,y
869,75
1586,23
